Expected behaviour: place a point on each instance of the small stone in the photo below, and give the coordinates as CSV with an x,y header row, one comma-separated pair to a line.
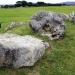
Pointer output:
x,y
14,25
72,17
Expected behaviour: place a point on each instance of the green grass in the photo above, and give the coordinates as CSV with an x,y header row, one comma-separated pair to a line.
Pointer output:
x,y
59,59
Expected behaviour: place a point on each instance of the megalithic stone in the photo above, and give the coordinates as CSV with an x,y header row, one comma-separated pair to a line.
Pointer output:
x,y
19,51
49,23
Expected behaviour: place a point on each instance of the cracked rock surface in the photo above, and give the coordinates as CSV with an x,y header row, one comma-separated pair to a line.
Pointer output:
x,y
50,24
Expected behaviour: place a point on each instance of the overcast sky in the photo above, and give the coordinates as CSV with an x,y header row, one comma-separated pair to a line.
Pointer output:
x,y
49,1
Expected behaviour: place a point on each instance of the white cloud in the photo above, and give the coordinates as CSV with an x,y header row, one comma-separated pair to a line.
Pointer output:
x,y
14,1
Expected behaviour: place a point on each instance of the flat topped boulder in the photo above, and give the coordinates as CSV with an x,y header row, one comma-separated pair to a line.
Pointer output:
x,y
18,51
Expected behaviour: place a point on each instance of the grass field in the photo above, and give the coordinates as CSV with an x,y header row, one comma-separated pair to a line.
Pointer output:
x,y
59,59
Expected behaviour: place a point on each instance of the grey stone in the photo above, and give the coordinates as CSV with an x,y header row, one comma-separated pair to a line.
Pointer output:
x,y
72,17
19,51
14,25
49,23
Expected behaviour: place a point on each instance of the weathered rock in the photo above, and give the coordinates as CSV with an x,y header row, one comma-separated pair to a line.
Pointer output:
x,y
14,25
72,17
49,23
18,51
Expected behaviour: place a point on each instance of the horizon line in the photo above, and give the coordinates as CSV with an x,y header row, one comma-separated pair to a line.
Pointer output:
x,y
36,2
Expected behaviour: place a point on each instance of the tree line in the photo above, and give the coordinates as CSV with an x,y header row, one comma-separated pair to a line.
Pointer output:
x,y
29,4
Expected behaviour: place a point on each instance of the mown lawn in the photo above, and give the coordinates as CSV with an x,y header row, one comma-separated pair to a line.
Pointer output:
x,y
59,59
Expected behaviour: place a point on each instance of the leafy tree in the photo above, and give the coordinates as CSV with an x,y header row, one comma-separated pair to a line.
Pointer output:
x,y
24,3
18,4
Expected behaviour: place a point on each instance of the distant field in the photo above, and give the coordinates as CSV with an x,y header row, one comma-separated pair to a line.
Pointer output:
x,y
59,59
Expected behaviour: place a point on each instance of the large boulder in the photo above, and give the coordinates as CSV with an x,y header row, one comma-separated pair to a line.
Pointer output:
x,y
51,23
18,51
